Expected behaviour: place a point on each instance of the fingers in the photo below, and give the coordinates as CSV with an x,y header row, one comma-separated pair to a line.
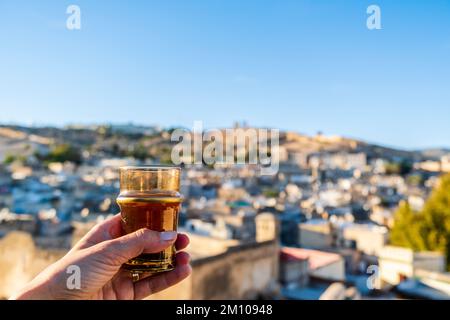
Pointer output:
x,y
182,241
151,285
124,248
182,258
110,229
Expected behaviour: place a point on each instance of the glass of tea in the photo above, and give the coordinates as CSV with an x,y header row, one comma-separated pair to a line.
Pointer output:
x,y
149,198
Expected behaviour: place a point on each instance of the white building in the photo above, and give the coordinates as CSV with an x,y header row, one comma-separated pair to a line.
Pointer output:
x,y
369,239
396,264
341,160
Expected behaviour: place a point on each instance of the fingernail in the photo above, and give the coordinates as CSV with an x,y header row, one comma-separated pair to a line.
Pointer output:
x,y
168,235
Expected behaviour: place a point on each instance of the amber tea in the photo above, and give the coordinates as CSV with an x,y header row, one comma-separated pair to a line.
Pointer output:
x,y
149,198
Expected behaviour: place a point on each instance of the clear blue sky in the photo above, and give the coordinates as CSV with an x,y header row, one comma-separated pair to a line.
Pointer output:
x,y
301,65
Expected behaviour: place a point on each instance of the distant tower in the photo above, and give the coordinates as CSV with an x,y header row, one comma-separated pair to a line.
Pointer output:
x,y
240,124
316,174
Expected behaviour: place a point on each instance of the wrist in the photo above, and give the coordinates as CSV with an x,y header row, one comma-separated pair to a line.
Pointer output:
x,y
33,291
40,288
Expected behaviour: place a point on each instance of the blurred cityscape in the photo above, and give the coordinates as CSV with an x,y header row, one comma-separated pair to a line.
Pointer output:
x,y
318,229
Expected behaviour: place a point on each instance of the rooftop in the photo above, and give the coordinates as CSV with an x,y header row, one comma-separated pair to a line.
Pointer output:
x,y
317,259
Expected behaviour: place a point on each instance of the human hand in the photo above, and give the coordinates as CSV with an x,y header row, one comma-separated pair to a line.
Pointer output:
x,y
100,255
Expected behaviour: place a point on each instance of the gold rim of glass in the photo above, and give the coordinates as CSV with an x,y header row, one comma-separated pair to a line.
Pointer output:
x,y
150,179
150,168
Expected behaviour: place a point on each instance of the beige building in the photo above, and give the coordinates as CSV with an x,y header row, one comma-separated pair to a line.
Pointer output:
x,y
266,227
315,234
442,165
397,264
445,163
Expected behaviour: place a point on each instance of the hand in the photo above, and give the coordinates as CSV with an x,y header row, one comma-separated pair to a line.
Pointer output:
x,y
100,255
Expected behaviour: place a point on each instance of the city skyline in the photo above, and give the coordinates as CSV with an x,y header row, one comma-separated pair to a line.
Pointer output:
x,y
295,65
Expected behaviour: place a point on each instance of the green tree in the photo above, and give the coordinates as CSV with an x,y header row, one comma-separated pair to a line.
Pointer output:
x,y
407,228
428,229
392,168
403,167
436,214
415,180
10,158
271,192
139,152
62,153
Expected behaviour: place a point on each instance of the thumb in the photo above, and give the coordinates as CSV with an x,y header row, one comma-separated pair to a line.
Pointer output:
x,y
122,249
